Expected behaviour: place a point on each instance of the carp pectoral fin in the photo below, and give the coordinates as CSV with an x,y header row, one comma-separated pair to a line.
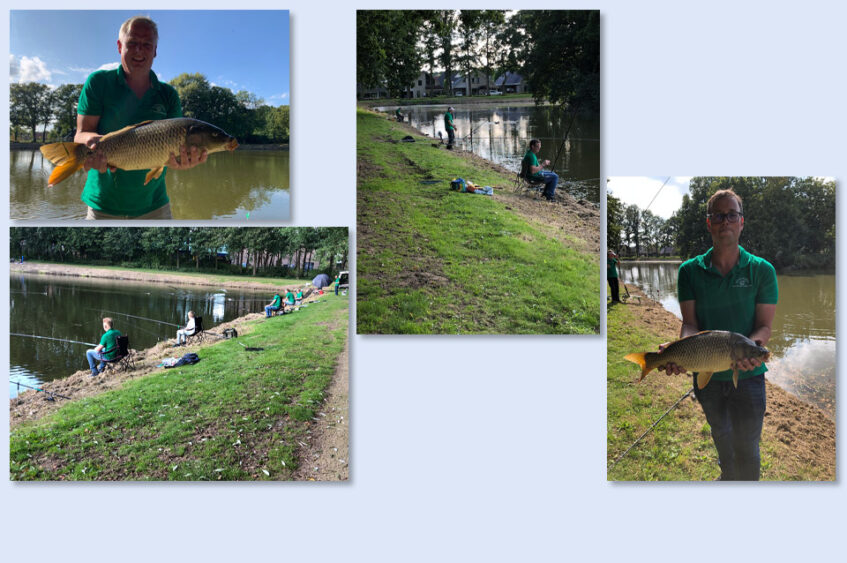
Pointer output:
x,y
703,378
639,358
155,173
65,157
735,377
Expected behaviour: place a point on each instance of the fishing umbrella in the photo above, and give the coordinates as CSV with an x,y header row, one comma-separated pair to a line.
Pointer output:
x,y
321,281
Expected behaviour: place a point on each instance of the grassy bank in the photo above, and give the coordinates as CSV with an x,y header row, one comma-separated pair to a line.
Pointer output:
x,y
798,442
431,260
236,415
203,277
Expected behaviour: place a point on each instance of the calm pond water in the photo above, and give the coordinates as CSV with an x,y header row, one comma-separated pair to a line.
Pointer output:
x,y
802,343
72,309
501,134
227,186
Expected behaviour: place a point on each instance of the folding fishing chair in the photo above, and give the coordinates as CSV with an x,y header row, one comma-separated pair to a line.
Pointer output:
x,y
199,333
525,183
124,357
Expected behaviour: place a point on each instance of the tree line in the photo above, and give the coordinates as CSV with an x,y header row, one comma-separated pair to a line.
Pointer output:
x,y
255,251
556,51
788,221
242,114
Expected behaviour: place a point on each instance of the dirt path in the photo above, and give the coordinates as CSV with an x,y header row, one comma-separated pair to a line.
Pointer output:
x,y
799,433
164,278
326,455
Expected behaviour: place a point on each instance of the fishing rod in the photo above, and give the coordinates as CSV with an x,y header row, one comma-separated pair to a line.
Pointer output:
x,y
652,426
565,138
50,393
135,317
51,338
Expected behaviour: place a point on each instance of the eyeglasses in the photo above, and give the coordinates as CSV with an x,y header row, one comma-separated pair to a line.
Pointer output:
x,y
732,217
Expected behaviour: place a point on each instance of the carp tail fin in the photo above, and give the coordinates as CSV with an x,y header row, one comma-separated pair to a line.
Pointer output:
x,y
66,156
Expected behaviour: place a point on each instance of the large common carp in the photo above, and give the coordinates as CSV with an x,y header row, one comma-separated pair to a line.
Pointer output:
x,y
145,145
705,352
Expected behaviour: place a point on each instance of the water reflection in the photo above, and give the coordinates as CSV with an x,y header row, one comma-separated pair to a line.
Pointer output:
x,y
502,134
802,342
254,182
72,309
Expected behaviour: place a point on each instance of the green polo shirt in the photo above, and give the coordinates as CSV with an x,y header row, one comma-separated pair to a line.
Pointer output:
x,y
277,301
289,297
611,267
107,94
109,342
448,122
529,159
728,302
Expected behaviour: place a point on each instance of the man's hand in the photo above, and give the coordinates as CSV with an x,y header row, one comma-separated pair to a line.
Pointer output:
x,y
749,364
97,159
187,158
670,368
545,163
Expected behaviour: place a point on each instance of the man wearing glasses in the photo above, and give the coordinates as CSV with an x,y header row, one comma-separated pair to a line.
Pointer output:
x,y
727,288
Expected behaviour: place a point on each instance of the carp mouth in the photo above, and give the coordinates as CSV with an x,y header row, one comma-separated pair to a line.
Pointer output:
x,y
231,145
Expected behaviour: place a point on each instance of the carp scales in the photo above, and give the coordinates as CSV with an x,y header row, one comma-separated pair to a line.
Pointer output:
x,y
705,352
143,146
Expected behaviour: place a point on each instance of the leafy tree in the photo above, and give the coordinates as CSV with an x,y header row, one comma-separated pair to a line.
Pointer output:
x,y
387,52
30,105
65,100
614,222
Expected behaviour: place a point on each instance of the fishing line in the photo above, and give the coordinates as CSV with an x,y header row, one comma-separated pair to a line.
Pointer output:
x,y
565,138
657,194
134,317
652,426
50,338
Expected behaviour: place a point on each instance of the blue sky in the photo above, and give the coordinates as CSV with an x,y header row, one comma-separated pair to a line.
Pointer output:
x,y
239,50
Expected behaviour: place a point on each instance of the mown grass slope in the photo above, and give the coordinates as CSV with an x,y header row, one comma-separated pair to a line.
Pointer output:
x,y
434,261
235,415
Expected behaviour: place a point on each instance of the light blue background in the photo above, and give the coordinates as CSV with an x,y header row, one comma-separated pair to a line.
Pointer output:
x,y
493,449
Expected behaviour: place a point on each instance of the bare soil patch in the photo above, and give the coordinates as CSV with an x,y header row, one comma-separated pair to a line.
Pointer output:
x,y
800,434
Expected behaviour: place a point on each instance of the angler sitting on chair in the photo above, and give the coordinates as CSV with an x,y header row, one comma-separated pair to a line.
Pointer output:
x,y
534,170
274,306
106,350
183,333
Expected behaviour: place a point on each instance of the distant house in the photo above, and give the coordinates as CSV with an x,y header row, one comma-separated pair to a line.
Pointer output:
x,y
363,93
511,83
479,84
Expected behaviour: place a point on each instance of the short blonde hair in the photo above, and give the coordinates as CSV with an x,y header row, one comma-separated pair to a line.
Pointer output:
x,y
108,321
127,25
721,194
191,314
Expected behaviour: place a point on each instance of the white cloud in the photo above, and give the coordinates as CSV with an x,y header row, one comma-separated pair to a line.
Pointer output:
x,y
283,96
109,66
640,191
28,69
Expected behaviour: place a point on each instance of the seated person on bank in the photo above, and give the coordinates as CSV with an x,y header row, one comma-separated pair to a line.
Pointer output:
x,y
298,299
274,305
535,170
183,333
398,115
289,298
106,350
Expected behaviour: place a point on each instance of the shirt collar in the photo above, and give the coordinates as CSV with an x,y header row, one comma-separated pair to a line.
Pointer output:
x,y
705,260
154,80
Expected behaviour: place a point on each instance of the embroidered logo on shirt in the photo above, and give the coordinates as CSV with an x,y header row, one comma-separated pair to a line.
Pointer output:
x,y
741,282
158,108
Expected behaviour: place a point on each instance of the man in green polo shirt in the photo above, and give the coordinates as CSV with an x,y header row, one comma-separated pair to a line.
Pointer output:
x,y
449,126
274,305
535,170
113,99
727,288
612,275
106,350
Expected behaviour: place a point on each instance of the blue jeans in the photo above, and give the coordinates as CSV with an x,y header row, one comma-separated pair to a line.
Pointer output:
x,y
551,180
94,357
451,136
736,417
268,309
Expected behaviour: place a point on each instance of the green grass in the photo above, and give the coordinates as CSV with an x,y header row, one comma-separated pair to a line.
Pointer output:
x,y
235,415
435,261
205,275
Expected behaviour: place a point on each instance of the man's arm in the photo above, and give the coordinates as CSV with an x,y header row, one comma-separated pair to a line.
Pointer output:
x,y
761,333
86,134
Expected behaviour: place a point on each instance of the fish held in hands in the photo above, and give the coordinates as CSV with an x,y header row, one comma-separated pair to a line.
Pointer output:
x,y
705,352
144,146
